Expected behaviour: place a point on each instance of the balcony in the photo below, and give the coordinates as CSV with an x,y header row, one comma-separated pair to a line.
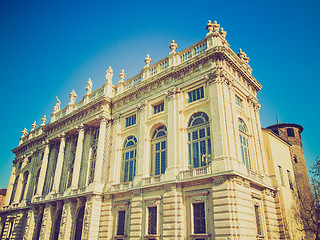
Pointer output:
x,y
256,175
195,172
153,180
121,186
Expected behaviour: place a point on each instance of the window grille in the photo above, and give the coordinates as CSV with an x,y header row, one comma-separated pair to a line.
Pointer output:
x,y
152,220
196,95
131,120
199,218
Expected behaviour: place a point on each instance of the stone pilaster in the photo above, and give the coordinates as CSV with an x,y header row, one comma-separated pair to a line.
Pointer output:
x,y
78,157
43,169
18,189
115,172
173,220
100,153
47,222
91,219
173,133
67,222
106,222
10,186
57,175
140,165
136,219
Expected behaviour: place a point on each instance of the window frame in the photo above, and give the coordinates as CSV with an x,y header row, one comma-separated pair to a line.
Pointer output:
x,y
156,106
131,120
196,197
121,206
281,175
244,147
200,93
239,101
149,203
207,140
127,150
159,140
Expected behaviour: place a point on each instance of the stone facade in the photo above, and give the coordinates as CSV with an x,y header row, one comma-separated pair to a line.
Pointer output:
x,y
176,152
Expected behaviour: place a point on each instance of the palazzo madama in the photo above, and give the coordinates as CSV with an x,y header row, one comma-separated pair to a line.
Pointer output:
x,y
175,152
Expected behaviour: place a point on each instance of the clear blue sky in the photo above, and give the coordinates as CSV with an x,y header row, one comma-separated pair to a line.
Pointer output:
x,y
48,48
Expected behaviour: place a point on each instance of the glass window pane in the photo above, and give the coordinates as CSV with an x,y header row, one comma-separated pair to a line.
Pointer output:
x,y
208,131
121,222
157,164
209,146
202,133
131,171
163,162
152,223
163,145
195,149
199,220
195,135
157,146
190,160
203,153
131,154
125,177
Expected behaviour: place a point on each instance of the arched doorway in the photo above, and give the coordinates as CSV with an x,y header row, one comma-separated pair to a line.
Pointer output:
x,y
79,224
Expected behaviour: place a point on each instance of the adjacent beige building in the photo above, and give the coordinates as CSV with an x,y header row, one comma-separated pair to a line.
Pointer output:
x,y
176,152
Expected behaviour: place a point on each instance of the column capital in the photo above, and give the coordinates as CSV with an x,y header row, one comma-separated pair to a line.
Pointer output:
x,y
46,142
61,135
80,128
105,118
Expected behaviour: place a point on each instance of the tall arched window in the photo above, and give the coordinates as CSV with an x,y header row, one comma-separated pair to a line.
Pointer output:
x,y
199,142
129,159
159,151
79,224
14,188
24,185
94,147
244,143
57,226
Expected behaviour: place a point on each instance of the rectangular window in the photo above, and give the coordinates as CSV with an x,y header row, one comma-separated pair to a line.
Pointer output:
x,y
290,180
130,120
281,175
239,102
158,108
121,222
152,220
196,95
199,218
258,219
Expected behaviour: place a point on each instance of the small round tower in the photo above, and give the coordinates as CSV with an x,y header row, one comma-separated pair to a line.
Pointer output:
x,y
291,133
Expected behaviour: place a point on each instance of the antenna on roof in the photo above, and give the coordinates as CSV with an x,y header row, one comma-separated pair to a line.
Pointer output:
x,y
277,119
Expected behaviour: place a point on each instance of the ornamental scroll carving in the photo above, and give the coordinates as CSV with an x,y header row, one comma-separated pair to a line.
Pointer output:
x,y
63,220
30,215
253,103
173,93
142,106
86,218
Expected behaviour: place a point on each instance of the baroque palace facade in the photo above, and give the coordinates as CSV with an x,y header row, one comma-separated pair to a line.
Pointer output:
x,y
176,152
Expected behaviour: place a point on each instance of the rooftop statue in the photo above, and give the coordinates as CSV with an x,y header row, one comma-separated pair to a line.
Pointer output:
x,y
89,86
57,106
109,75
73,97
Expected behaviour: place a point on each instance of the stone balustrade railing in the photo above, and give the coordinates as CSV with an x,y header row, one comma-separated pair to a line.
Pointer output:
x,y
121,186
255,175
153,180
196,172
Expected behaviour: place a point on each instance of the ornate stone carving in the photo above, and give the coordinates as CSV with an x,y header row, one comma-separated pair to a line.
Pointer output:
x,y
223,33
147,60
73,97
173,46
109,75
212,26
173,93
86,218
89,86
34,125
24,132
44,119
29,216
122,75
243,56
57,106
142,106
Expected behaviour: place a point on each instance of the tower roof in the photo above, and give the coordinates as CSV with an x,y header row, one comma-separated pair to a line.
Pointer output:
x,y
282,125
